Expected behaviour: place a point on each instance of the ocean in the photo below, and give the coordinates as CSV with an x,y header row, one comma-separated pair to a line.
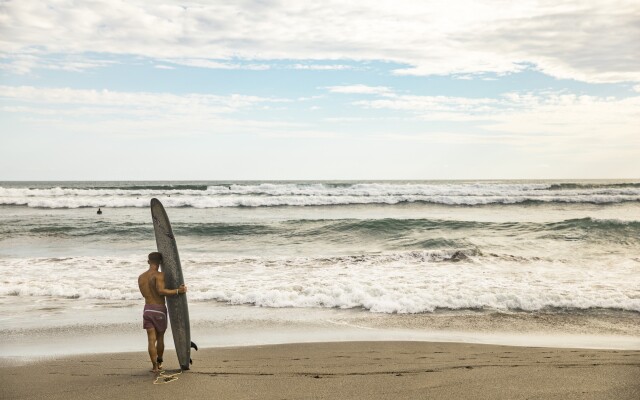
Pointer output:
x,y
283,261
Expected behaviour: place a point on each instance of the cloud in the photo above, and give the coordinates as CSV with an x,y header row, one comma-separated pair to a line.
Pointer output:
x,y
117,112
322,67
432,103
109,98
604,119
559,120
360,89
21,64
553,120
593,41
452,137
203,63
585,33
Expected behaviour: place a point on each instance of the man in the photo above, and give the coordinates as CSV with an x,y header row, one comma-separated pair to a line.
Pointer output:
x,y
151,284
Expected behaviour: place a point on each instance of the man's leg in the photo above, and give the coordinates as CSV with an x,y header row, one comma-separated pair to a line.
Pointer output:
x,y
153,353
160,347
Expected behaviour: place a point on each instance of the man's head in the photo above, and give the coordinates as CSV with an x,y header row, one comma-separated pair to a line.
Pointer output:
x,y
155,258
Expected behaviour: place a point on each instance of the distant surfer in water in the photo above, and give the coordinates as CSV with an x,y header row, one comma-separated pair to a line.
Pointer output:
x,y
99,211
154,317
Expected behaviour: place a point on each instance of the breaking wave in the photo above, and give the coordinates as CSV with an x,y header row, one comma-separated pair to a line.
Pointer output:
x,y
319,194
397,282
395,233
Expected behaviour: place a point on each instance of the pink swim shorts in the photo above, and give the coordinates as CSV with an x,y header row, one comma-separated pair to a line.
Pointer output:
x,y
155,316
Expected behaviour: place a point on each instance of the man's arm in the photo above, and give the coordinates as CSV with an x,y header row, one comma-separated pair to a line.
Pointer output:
x,y
167,292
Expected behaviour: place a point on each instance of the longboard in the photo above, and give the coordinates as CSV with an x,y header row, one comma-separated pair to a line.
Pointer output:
x,y
176,305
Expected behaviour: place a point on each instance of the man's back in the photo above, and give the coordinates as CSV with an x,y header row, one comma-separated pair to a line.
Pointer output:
x,y
147,285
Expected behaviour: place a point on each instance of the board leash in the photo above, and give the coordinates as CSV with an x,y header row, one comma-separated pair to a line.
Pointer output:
x,y
164,378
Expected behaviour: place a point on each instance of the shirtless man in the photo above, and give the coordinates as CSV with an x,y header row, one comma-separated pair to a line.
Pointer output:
x,y
151,284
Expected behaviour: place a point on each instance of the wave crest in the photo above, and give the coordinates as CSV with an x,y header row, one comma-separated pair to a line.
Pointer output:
x,y
320,194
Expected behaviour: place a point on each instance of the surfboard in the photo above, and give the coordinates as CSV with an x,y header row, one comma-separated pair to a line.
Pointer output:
x,y
176,305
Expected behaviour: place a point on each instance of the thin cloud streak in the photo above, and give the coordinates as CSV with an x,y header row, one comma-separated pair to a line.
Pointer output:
x,y
109,98
360,89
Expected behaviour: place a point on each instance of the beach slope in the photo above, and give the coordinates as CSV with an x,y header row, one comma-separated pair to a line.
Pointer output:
x,y
346,370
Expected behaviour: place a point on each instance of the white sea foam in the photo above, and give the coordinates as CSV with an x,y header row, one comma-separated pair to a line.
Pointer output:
x,y
283,194
411,282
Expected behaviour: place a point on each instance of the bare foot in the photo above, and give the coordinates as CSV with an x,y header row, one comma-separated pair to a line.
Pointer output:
x,y
155,371
160,363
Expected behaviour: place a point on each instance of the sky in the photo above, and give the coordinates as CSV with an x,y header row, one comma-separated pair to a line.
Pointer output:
x,y
309,90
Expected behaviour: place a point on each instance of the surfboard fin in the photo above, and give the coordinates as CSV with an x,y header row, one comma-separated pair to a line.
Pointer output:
x,y
194,346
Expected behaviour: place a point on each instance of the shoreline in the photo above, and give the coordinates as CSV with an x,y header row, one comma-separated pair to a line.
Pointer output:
x,y
346,370
119,329
30,351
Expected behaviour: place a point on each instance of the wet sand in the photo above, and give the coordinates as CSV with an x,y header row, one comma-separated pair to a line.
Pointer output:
x,y
344,370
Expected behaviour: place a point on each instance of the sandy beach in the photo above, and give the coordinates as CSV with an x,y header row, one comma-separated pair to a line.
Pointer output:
x,y
346,370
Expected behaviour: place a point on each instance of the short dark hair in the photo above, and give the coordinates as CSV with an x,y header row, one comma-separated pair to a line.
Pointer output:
x,y
155,258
